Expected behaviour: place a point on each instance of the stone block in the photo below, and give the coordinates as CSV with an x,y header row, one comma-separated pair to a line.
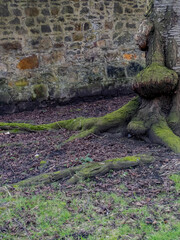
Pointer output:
x,y
40,92
67,9
21,83
29,22
118,8
54,11
133,69
15,21
4,11
129,56
32,12
45,29
30,62
4,96
78,37
12,46
115,72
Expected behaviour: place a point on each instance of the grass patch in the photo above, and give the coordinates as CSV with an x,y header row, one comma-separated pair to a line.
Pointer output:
x,y
47,213
176,179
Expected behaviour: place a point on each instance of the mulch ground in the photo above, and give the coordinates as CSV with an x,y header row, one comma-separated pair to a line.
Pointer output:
x,y
24,155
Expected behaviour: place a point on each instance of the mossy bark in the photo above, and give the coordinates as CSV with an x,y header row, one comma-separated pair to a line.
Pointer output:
x,y
88,170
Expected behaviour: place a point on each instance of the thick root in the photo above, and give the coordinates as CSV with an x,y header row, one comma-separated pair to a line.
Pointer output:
x,y
88,170
162,134
149,113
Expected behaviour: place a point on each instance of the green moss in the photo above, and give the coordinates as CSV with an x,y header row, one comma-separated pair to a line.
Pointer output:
x,y
43,162
166,136
40,179
137,127
119,117
176,179
155,80
90,167
143,158
40,91
158,58
81,134
125,159
25,126
157,73
21,83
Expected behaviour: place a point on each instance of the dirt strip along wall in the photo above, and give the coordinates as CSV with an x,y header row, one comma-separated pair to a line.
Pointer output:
x,y
65,49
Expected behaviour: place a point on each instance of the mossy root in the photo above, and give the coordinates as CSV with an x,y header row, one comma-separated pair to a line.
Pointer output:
x,y
88,170
86,126
161,133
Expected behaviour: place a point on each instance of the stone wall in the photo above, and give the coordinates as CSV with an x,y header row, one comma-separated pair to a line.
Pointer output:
x,y
61,49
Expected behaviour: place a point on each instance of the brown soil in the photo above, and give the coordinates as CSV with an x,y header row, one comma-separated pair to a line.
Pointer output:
x,y
21,154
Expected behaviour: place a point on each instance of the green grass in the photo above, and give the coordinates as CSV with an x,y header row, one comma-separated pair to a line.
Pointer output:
x,y
176,179
48,213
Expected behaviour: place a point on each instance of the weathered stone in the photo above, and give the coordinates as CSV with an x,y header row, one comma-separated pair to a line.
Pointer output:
x,y
86,26
15,21
4,96
45,12
30,62
21,83
45,29
35,31
40,92
17,12
100,43
32,12
57,28
129,56
67,9
54,11
3,68
84,10
108,25
133,69
4,11
77,37
125,38
29,22
78,26
11,46
130,25
118,8
41,19
119,25
115,72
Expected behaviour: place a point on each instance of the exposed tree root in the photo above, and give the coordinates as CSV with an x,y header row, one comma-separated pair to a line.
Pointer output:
x,y
161,133
140,118
88,170
85,125
148,113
